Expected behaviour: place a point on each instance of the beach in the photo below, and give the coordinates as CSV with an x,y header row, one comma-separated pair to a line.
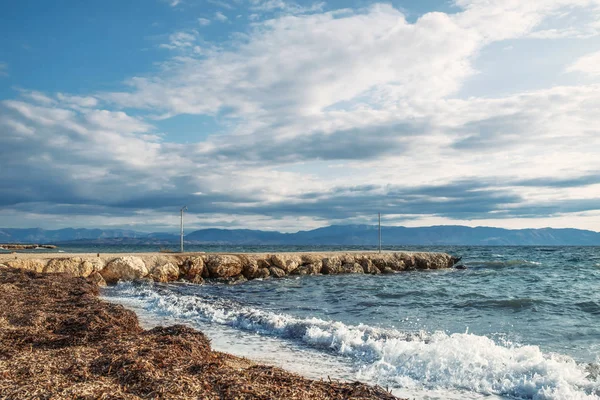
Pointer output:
x,y
58,340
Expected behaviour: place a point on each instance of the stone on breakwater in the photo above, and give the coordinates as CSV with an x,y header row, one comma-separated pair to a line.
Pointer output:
x,y
249,266
165,273
224,266
74,266
192,268
277,272
311,259
331,266
352,268
368,267
28,264
286,262
308,269
97,279
126,268
263,273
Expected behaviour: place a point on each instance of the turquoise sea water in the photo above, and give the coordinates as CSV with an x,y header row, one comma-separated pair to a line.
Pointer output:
x,y
520,322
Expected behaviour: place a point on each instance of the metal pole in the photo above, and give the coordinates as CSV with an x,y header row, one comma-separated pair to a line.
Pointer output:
x,y
379,232
181,241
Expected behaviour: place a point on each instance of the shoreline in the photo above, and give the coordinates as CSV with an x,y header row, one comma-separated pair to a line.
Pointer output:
x,y
58,338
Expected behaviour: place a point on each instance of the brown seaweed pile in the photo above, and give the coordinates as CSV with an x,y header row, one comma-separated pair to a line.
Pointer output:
x,y
59,341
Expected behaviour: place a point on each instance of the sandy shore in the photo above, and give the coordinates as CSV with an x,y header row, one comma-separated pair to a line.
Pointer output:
x,y
59,341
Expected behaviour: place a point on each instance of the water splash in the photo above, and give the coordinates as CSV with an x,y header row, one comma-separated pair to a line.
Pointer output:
x,y
433,361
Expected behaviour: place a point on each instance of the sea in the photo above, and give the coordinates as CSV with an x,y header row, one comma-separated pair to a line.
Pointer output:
x,y
518,323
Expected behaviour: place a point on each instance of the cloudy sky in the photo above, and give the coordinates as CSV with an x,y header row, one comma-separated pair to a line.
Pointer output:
x,y
275,114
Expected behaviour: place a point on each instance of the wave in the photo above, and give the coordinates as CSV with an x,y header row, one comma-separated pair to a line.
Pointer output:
x,y
512,304
389,357
502,264
592,307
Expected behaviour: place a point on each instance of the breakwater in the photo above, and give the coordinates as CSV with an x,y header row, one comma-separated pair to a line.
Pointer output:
x,y
230,268
18,246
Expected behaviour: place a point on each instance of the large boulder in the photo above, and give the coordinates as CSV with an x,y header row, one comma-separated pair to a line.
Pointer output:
x,y
277,272
156,260
347,258
308,269
433,261
408,260
30,265
73,266
97,279
311,259
127,268
223,266
262,273
287,262
353,268
192,267
165,273
382,261
368,266
331,266
249,267
91,265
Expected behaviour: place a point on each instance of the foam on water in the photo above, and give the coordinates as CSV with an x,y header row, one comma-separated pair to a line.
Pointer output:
x,y
412,360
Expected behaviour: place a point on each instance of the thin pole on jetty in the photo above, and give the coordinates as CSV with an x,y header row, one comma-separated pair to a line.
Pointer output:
x,y
184,208
379,232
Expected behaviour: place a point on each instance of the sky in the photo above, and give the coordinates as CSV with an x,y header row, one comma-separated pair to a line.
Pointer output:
x,y
292,115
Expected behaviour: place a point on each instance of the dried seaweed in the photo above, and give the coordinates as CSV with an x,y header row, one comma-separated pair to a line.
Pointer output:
x,y
59,341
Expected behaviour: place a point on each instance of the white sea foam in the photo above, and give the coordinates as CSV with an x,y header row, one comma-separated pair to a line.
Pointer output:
x,y
436,361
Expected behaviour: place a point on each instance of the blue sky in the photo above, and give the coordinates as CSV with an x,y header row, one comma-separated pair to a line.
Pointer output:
x,y
275,114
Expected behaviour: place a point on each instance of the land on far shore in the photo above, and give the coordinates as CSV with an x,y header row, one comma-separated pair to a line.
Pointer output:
x,y
59,340
19,246
344,235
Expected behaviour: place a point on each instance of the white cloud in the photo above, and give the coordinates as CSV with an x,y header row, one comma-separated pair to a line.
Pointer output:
x,y
181,40
288,7
219,16
36,96
222,4
588,64
304,64
77,101
3,69
328,116
204,21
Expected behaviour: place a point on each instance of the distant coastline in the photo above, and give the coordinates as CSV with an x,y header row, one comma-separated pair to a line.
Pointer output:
x,y
19,246
343,235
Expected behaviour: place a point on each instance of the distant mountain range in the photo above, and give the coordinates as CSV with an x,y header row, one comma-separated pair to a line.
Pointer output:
x,y
332,235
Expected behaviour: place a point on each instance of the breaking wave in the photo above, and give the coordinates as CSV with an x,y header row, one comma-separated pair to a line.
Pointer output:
x,y
389,357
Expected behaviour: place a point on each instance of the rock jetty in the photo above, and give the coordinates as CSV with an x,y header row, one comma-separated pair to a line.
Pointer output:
x,y
17,246
230,268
